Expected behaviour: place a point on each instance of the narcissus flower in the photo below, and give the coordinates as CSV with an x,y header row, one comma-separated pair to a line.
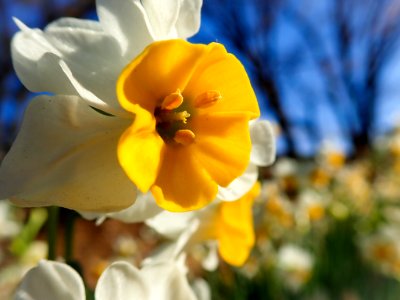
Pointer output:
x,y
295,265
189,107
190,134
228,223
181,107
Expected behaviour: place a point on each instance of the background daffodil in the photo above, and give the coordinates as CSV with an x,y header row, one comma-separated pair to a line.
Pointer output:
x,y
228,223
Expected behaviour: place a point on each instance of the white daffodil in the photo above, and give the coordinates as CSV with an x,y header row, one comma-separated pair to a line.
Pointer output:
x,y
295,265
229,223
382,249
120,281
65,153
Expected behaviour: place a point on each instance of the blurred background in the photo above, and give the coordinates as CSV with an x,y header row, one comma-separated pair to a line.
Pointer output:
x,y
327,75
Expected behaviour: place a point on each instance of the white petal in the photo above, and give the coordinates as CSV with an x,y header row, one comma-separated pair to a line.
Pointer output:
x,y
72,60
211,261
93,57
171,251
65,155
201,289
163,16
167,282
171,224
240,186
263,143
188,22
28,49
127,21
73,23
144,208
51,280
122,281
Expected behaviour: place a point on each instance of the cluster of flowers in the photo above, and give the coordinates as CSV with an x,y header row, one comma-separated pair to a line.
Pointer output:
x,y
308,206
139,125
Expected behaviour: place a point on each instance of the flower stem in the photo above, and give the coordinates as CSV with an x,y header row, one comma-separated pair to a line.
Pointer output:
x,y
69,235
52,226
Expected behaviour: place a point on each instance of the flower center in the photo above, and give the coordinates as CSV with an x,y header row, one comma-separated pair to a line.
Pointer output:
x,y
172,116
172,120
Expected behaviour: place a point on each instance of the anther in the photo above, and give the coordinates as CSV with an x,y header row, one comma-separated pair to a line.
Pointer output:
x,y
207,99
172,101
184,137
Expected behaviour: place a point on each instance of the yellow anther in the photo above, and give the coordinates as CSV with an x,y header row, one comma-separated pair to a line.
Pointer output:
x,y
172,101
184,137
207,99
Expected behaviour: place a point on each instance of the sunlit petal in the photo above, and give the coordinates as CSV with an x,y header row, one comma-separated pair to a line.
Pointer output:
x,y
65,154
222,145
262,143
223,72
128,22
188,22
67,51
182,183
122,281
163,16
240,186
140,151
172,285
159,71
51,280
235,230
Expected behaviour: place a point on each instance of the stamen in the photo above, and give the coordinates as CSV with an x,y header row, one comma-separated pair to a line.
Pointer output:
x,y
172,119
172,101
184,137
207,99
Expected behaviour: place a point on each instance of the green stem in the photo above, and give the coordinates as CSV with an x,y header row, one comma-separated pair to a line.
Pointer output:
x,y
52,226
69,235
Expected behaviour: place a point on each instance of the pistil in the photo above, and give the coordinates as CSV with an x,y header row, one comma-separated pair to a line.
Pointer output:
x,y
172,120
